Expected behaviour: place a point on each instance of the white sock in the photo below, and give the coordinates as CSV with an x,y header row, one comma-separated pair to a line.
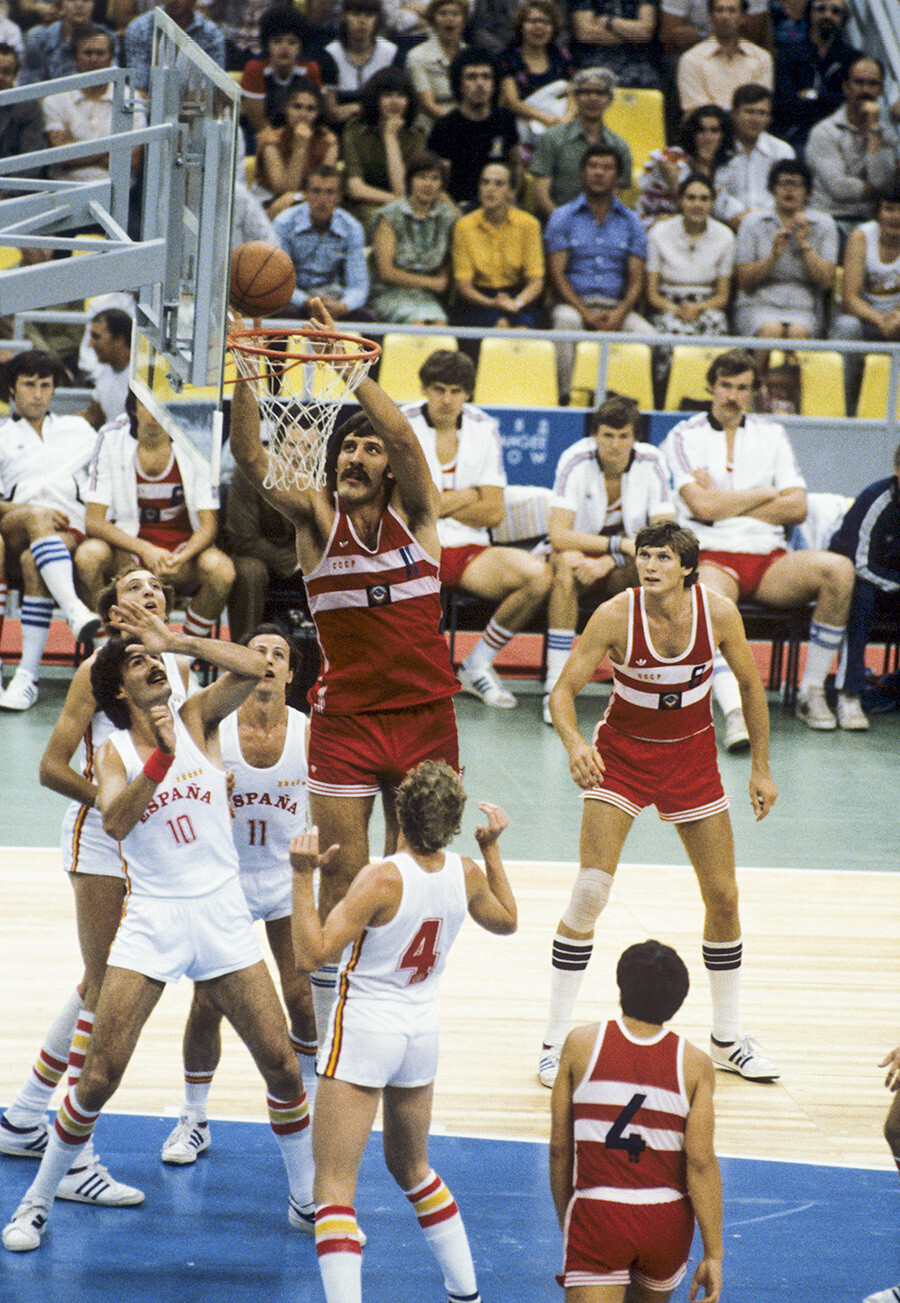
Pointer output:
x,y
442,1226
54,561
306,1060
196,1094
35,616
559,645
289,1120
725,685
339,1253
493,640
324,992
34,1097
824,642
570,959
722,960
66,1147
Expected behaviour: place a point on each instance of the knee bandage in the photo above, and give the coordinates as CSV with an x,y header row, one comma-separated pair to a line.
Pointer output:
x,y
589,897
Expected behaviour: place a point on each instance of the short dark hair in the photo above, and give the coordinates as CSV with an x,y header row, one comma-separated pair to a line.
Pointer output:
x,y
373,7
696,178
690,125
299,86
9,51
88,33
499,162
546,7
425,161
616,411
601,151
384,82
683,542
751,92
471,56
429,804
733,362
275,629
280,20
789,167
109,595
434,5
653,982
448,366
106,680
357,425
118,323
30,362
325,172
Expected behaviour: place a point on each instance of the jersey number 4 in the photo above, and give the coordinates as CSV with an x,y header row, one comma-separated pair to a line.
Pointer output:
x,y
422,954
634,1144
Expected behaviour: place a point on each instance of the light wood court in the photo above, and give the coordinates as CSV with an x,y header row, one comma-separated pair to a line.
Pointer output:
x,y
821,977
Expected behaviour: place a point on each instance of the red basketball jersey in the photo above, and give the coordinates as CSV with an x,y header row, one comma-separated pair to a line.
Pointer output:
x,y
377,614
658,698
162,510
629,1115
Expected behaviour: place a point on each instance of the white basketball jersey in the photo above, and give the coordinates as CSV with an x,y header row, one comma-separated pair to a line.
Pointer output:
x,y
270,805
405,958
182,844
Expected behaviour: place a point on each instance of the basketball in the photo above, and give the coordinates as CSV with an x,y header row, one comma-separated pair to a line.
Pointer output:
x,y
262,279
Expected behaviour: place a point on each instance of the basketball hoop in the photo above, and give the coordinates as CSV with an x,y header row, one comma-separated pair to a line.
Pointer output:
x,y
300,379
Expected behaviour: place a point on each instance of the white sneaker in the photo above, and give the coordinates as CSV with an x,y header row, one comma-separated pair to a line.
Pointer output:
x,y
744,1058
93,1184
850,714
301,1217
885,1296
83,622
548,1067
24,1231
485,685
737,739
548,719
23,1142
814,710
189,1139
21,693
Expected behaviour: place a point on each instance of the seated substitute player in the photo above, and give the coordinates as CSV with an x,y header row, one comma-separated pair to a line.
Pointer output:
x,y
368,547
150,500
43,476
739,488
655,745
609,485
264,746
394,928
162,793
632,1162
96,871
462,445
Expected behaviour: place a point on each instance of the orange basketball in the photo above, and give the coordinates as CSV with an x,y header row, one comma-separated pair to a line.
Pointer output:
x,y
262,279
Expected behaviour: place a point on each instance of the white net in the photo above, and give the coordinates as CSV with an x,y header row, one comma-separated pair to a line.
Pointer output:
x,y
299,400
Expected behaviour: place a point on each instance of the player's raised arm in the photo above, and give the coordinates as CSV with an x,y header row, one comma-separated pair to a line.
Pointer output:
x,y
491,902
252,457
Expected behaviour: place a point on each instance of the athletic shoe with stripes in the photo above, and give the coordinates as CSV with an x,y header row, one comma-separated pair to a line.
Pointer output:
x,y
23,1142
743,1057
548,1066
885,1296
189,1139
93,1184
23,1232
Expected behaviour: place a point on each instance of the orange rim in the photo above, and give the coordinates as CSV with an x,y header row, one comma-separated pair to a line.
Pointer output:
x,y
253,342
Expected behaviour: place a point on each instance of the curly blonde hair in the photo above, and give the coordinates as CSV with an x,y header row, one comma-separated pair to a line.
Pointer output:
x,y
430,803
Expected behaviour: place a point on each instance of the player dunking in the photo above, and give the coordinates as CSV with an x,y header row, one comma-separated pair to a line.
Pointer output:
x,y
394,927
655,745
368,548
264,746
162,793
632,1161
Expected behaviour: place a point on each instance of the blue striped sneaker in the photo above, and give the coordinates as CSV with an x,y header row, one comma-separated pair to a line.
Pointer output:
x,y
23,1142
23,1232
93,1184
189,1139
885,1296
743,1057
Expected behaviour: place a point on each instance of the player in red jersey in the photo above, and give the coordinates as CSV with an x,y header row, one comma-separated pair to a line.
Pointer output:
x,y
632,1162
368,548
656,746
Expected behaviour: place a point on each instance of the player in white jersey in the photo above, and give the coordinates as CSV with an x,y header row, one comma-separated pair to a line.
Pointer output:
x,y
393,929
97,872
163,795
264,747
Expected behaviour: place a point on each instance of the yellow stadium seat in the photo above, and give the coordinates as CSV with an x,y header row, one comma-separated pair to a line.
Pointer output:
x,y
638,116
401,359
250,171
10,258
687,378
517,373
873,394
628,372
822,384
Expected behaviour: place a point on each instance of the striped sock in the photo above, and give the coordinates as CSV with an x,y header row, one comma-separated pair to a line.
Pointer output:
x,y
722,960
4,591
306,1052
196,1093
48,1068
493,640
824,644
71,1131
569,960
36,615
54,561
339,1253
289,1119
559,645
84,1029
445,1233
324,991
197,626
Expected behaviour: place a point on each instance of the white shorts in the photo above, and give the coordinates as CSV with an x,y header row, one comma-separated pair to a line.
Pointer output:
x,y
168,937
269,893
86,848
380,1043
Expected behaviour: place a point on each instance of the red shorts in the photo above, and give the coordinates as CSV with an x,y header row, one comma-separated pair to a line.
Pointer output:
x,y
357,755
613,1243
745,568
680,778
454,561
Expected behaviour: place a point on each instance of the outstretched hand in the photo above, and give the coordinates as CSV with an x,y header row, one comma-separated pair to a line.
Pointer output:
x,y
497,820
892,1063
305,857
136,621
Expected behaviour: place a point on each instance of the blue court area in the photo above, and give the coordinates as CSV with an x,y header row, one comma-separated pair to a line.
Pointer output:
x,y
217,1232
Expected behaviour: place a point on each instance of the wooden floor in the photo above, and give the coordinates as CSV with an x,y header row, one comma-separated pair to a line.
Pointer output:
x,y
820,993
